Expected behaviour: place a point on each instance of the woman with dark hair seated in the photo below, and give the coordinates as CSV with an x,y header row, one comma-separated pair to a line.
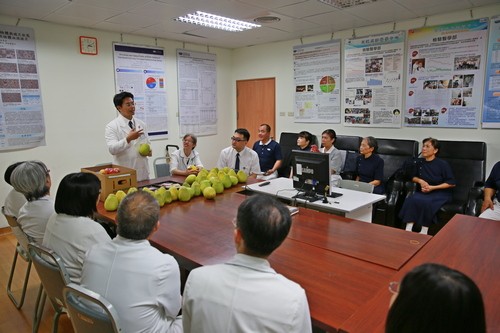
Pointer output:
x,y
433,298
304,141
72,232
369,166
435,181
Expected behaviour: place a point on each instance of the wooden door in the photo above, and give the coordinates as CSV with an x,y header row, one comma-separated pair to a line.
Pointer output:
x,y
255,105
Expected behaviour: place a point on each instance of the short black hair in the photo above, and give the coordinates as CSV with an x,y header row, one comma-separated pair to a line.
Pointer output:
x,y
436,298
244,132
306,135
268,128
434,143
264,223
137,215
77,194
9,170
331,133
372,143
118,98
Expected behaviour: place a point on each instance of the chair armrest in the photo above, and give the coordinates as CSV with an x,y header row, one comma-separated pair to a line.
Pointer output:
x,y
474,201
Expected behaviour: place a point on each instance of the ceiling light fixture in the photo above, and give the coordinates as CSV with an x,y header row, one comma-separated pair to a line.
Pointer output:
x,y
346,3
216,22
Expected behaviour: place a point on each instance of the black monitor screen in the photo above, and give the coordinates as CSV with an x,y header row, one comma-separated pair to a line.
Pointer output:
x,y
311,173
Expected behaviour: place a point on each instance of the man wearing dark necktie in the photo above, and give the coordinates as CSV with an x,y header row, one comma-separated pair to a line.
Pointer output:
x,y
125,134
238,155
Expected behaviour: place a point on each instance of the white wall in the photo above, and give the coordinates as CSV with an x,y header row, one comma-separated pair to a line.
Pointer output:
x,y
275,60
77,93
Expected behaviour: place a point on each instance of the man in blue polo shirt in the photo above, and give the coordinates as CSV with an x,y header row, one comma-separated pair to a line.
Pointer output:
x,y
269,151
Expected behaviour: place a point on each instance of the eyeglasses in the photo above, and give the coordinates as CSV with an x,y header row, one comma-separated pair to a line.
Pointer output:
x,y
394,287
234,222
237,139
187,141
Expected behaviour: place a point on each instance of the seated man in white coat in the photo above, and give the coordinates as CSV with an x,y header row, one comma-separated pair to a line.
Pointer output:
x,y
245,294
125,134
238,156
142,283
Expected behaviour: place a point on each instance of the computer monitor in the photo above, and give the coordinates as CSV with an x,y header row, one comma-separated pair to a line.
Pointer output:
x,y
311,174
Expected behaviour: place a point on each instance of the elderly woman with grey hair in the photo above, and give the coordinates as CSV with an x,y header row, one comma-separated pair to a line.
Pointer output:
x,y
370,166
32,179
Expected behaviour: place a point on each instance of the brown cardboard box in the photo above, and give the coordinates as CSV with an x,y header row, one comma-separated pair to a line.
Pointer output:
x,y
110,183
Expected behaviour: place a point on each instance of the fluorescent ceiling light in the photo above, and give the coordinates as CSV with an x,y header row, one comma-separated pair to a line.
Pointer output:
x,y
217,22
346,3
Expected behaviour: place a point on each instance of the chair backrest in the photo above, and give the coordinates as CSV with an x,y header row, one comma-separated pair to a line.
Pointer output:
x,y
161,169
21,237
468,163
89,312
52,273
349,148
395,152
288,142
355,185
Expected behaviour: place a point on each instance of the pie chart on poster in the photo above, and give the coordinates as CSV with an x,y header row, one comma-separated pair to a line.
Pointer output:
x,y
327,84
151,82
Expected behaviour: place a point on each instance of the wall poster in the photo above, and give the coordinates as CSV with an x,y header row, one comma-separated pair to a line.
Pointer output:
x,y
197,91
491,106
21,111
141,71
446,74
317,82
373,80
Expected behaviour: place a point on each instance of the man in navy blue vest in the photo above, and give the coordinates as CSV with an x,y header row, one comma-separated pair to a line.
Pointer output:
x,y
269,151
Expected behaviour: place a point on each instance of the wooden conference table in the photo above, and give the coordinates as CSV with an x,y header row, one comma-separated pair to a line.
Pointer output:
x,y
343,264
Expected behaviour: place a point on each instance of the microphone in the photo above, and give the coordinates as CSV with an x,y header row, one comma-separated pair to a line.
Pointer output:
x,y
325,199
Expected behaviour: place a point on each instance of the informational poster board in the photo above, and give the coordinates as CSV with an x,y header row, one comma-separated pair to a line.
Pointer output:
x,y
197,91
373,80
141,71
491,106
21,111
317,82
446,74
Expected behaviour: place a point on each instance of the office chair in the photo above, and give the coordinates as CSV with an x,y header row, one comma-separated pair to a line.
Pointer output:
x,y
54,278
22,251
89,312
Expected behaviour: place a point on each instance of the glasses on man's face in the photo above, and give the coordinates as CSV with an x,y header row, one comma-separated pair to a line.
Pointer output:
x,y
394,287
237,139
234,222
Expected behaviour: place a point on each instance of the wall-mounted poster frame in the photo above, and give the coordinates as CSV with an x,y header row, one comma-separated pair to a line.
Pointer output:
x,y
141,71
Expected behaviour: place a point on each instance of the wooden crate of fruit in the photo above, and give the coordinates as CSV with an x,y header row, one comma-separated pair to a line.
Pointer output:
x,y
113,178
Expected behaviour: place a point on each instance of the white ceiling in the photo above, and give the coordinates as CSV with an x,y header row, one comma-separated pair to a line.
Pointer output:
x,y
154,18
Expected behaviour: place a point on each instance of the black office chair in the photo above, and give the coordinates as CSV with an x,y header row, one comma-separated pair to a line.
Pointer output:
x,y
349,148
20,251
89,312
54,278
397,155
288,142
467,160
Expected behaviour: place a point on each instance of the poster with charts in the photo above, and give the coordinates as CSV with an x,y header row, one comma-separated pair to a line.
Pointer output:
x,y
373,80
491,105
141,71
22,122
316,70
445,74
197,91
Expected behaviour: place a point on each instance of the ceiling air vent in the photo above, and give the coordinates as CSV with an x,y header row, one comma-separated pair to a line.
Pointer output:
x,y
266,19
346,3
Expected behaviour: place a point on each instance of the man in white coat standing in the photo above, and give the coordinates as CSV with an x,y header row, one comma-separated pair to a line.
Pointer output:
x,y
143,284
245,294
125,134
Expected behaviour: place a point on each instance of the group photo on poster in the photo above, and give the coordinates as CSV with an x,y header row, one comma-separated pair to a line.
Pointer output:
x,y
373,80
317,82
446,74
